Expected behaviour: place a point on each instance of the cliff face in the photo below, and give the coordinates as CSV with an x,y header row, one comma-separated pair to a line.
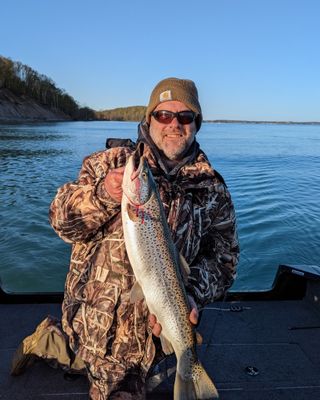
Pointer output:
x,y
24,109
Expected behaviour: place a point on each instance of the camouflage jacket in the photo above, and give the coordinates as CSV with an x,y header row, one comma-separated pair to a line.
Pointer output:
x,y
108,332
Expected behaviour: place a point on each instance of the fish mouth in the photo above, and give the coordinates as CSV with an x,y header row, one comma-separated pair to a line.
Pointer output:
x,y
139,184
137,161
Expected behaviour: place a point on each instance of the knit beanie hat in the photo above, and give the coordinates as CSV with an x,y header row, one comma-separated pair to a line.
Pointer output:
x,y
169,89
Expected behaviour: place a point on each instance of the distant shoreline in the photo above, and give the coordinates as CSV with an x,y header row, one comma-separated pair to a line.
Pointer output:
x,y
17,121
22,109
228,121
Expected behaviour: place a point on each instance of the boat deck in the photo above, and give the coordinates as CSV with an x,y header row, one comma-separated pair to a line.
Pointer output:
x,y
266,348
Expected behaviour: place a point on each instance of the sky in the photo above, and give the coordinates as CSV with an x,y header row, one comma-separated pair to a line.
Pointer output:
x,y
250,59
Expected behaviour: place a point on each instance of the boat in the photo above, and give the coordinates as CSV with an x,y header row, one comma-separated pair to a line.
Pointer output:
x,y
257,345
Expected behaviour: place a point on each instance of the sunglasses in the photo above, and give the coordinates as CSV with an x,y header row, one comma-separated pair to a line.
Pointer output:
x,y
165,117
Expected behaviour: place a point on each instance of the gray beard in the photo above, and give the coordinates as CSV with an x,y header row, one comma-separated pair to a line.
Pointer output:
x,y
175,155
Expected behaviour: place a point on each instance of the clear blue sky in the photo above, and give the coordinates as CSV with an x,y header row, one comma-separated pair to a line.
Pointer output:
x,y
251,59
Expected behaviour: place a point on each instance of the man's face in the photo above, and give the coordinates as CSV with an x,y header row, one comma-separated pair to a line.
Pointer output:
x,y
173,139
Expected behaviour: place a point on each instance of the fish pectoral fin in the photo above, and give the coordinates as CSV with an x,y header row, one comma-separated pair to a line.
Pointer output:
x,y
136,293
184,268
166,345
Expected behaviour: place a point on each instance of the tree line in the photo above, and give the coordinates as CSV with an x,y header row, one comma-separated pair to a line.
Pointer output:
x,y
21,80
134,113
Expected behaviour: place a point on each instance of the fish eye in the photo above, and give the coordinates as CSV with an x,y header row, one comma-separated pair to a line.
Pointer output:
x,y
144,175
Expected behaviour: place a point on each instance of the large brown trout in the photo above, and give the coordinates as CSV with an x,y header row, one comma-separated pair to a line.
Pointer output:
x,y
156,265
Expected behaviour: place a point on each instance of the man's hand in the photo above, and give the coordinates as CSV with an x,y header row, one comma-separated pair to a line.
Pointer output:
x,y
113,183
193,317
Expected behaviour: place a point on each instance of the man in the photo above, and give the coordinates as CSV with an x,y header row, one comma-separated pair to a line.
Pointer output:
x,y
102,332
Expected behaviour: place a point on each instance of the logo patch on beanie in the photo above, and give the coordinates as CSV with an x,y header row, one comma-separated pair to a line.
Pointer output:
x,y
165,96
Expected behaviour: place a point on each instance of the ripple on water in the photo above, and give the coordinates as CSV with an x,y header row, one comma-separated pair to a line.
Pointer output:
x,y
27,153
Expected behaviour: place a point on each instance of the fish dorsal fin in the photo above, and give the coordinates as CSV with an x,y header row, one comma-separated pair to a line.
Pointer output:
x,y
136,293
166,345
184,268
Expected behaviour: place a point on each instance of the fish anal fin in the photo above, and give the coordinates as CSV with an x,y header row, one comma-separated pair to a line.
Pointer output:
x,y
184,268
199,338
166,345
136,293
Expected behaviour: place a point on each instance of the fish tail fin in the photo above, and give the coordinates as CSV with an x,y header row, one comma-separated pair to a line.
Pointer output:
x,y
199,387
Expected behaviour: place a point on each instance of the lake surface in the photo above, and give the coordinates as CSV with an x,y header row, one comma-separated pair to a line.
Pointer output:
x,y
272,171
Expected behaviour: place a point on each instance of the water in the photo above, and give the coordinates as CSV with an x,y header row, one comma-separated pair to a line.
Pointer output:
x,y
272,172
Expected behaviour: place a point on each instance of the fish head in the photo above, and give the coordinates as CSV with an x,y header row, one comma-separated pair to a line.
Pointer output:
x,y
138,183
